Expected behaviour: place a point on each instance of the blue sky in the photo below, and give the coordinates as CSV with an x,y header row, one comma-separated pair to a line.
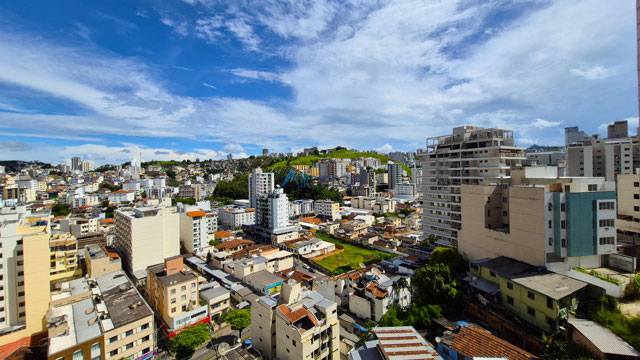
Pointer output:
x,y
108,80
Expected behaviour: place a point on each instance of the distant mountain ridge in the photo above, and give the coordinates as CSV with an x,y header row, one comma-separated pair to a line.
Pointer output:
x,y
542,148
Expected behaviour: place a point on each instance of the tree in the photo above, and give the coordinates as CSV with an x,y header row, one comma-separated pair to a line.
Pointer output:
x,y
563,350
143,194
188,340
364,336
239,319
434,285
449,257
108,213
214,242
61,209
173,183
209,257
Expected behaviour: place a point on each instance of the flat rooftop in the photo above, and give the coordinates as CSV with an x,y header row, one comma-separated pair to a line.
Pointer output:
x,y
172,279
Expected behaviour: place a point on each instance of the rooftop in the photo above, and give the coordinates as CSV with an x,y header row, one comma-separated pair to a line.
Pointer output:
x,y
214,292
603,339
160,272
477,343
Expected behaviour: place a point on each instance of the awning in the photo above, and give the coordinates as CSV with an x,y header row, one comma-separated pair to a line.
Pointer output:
x,y
485,286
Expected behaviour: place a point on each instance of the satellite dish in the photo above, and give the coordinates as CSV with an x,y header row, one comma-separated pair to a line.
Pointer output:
x,y
223,346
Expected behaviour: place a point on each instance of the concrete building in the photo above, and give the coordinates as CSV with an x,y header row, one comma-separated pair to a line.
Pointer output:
x,y
24,291
395,172
63,254
543,221
300,208
295,324
471,155
218,301
606,158
79,226
76,163
193,191
272,211
628,221
619,129
100,261
327,209
100,318
197,228
397,342
367,178
145,236
233,217
121,196
573,134
259,183
173,294
405,191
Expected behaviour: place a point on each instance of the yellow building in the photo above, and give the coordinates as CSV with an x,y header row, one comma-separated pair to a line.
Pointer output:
x,y
541,298
24,292
63,255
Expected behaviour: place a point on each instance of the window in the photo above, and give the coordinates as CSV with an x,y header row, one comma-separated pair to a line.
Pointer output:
x,y
113,339
551,323
128,346
636,208
293,342
144,327
504,213
183,288
488,212
113,352
492,273
636,184
128,333
550,241
509,300
563,224
564,243
509,286
550,224
636,196
531,311
504,199
549,302
606,223
607,240
592,187
145,338
549,206
608,205
173,309
146,350
95,351
563,207
183,297
77,355
173,291
531,295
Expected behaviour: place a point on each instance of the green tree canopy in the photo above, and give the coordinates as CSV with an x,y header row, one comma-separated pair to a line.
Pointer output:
x,y
239,319
61,209
187,340
238,188
449,257
434,285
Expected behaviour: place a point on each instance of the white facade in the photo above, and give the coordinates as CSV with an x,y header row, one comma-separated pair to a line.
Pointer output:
x,y
233,217
259,183
272,211
327,209
196,229
120,196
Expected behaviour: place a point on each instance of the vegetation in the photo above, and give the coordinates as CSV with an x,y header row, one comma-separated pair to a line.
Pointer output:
x,y
110,186
143,194
564,350
214,242
61,209
173,183
632,290
186,201
406,212
364,336
451,258
184,344
104,168
209,257
627,328
598,275
238,188
352,256
238,319
434,285
420,317
222,201
429,241
108,213
386,215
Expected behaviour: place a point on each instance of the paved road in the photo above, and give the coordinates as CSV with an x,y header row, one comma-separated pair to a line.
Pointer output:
x,y
317,275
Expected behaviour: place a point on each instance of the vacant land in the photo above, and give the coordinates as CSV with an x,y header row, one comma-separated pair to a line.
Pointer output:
x,y
351,258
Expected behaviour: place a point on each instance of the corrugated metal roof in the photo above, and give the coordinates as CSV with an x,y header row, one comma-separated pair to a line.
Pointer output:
x,y
602,338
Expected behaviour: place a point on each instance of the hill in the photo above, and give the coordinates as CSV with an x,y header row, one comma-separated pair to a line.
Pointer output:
x,y
540,148
338,154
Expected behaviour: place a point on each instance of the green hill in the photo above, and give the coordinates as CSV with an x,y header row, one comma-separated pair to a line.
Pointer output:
x,y
338,154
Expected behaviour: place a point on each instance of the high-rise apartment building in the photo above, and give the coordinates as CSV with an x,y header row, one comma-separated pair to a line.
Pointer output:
x,y
327,209
295,324
190,191
471,155
594,156
63,257
395,174
197,228
146,236
24,277
76,163
628,222
272,211
540,219
259,183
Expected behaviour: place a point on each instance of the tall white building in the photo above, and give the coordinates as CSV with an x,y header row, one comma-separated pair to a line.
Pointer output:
x,y
259,183
272,211
471,155
146,236
76,163
196,229
395,174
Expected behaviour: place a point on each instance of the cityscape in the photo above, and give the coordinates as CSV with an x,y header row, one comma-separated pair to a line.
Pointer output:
x,y
320,180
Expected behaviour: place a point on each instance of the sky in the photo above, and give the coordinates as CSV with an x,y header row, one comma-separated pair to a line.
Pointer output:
x,y
113,80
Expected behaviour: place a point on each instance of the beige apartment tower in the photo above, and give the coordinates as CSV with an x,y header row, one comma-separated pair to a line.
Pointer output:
x,y
471,155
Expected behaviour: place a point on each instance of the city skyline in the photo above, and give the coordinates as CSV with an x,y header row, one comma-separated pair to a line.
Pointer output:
x,y
199,79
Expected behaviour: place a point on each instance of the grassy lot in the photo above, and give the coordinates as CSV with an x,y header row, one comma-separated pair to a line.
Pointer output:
x,y
341,154
351,257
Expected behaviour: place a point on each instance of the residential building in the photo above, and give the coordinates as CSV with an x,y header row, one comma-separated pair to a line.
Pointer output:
x,y
24,291
368,178
272,211
397,342
573,134
271,261
233,217
538,297
367,293
395,172
218,301
193,191
63,254
19,193
327,209
540,219
263,282
594,156
475,343
121,196
173,294
300,208
405,191
100,318
100,261
295,324
259,183
628,221
617,130
197,228
599,341
79,226
76,163
308,248
145,236
471,155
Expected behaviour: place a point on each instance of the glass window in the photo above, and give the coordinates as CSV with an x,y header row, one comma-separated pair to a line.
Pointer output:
x,y
509,286
128,346
144,327
531,311
113,352
129,333
95,350
531,295
77,355
549,302
113,339
492,273
510,300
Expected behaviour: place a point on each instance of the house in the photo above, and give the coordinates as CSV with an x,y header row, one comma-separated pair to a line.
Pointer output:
x,y
397,342
473,343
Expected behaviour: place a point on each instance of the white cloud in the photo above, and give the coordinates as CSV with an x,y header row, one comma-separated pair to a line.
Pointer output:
x,y
595,73
209,29
208,85
244,32
233,148
256,75
386,148
179,27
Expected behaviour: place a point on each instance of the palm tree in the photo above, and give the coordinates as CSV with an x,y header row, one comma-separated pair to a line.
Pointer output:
x,y
398,286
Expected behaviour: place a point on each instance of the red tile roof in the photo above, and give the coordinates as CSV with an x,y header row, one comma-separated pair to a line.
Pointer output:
x,y
233,243
373,288
296,315
195,213
223,234
122,192
472,342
